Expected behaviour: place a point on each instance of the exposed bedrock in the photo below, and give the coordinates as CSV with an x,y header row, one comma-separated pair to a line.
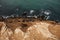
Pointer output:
x,y
17,29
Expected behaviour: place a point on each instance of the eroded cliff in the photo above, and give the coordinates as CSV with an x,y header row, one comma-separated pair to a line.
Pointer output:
x,y
29,29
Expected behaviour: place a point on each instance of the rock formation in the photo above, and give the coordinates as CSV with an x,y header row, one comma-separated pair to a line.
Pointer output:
x,y
29,29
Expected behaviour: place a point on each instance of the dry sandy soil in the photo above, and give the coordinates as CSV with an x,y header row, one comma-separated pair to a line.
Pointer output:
x,y
29,29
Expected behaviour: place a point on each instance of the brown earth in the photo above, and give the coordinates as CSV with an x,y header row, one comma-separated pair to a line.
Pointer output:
x,y
29,29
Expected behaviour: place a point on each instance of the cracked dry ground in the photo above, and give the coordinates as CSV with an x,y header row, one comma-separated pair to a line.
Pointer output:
x,y
15,29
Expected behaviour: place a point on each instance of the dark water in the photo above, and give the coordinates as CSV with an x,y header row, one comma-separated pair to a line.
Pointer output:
x,y
9,7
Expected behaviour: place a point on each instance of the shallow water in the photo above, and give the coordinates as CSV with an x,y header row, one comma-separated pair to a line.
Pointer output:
x,y
8,7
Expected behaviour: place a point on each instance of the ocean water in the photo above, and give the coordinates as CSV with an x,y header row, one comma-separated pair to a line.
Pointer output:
x,y
9,7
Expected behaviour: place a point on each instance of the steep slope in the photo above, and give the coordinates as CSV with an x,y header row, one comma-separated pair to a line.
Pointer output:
x,y
17,29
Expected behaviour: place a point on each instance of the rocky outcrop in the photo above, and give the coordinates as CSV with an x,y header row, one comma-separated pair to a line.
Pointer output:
x,y
17,29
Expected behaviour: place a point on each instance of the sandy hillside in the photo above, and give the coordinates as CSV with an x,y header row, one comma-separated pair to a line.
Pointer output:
x,y
29,29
